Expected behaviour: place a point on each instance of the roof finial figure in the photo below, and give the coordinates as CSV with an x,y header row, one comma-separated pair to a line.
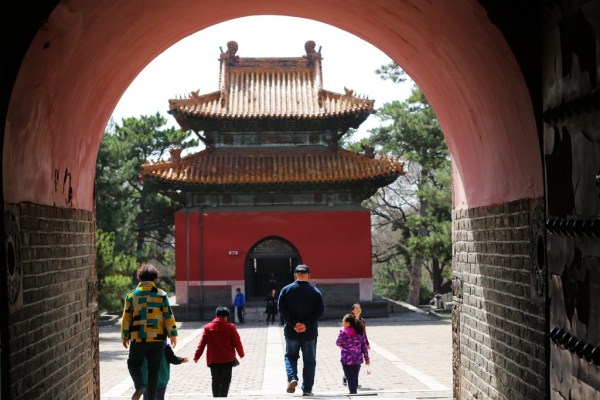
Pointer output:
x,y
229,55
176,154
311,53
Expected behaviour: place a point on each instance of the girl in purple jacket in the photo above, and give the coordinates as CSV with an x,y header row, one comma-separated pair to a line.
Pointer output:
x,y
353,343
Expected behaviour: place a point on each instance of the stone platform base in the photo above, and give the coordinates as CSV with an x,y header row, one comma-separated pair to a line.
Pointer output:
x,y
255,311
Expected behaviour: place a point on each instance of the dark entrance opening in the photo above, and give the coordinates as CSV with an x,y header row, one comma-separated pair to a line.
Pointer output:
x,y
270,264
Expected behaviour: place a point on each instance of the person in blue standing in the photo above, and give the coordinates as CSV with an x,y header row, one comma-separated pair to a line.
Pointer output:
x,y
301,305
239,302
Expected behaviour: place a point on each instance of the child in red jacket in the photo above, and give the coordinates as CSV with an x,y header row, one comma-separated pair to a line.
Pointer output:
x,y
222,339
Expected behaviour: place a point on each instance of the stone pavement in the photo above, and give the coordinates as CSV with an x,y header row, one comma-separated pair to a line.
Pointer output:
x,y
411,358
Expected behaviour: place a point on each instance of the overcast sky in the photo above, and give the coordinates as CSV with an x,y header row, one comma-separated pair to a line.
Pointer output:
x,y
192,63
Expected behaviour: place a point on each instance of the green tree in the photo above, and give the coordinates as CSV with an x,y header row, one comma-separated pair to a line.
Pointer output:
x,y
415,210
135,222
141,217
115,271
391,72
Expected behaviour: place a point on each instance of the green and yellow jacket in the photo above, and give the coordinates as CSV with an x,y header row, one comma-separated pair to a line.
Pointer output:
x,y
147,315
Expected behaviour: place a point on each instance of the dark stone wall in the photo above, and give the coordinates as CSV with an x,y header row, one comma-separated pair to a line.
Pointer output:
x,y
571,143
339,292
498,303
212,295
53,311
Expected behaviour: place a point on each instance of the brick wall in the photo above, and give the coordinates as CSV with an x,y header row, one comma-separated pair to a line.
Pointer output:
x,y
499,323
53,331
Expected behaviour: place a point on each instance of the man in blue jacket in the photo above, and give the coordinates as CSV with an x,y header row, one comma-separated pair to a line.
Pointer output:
x,y
239,302
301,305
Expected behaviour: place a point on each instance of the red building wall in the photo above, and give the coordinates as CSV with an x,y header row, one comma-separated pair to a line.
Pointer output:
x,y
335,244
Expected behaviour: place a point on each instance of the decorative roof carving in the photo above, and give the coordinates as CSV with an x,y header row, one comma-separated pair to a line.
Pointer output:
x,y
176,154
311,54
229,56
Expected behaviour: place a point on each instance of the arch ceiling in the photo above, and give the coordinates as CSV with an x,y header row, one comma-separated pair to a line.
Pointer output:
x,y
83,60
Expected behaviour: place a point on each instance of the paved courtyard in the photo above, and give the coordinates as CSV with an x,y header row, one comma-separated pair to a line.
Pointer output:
x,y
411,358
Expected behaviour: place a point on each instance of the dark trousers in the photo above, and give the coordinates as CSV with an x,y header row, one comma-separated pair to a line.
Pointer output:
x,y
221,378
351,372
160,393
240,314
153,353
271,317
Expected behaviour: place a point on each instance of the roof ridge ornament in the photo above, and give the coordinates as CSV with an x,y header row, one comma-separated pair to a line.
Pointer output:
x,y
175,154
229,55
311,54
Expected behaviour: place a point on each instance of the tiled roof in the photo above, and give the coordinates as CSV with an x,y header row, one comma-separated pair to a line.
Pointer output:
x,y
273,166
271,88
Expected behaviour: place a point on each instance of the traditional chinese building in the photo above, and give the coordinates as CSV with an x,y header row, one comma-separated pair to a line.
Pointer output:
x,y
272,188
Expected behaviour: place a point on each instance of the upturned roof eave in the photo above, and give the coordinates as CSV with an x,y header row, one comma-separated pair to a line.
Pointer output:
x,y
260,187
336,122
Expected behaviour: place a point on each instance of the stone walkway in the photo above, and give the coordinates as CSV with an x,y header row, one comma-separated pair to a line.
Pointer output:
x,y
411,358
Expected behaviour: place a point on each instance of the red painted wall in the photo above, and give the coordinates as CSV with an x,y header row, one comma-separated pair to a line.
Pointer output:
x,y
334,244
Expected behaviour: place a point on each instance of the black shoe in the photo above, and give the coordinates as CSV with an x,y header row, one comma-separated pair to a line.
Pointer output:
x,y
308,394
344,381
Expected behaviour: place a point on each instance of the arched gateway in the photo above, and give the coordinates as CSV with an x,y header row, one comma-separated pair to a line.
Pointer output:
x,y
514,85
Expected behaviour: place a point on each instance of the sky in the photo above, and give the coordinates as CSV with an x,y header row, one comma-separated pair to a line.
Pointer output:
x,y
192,64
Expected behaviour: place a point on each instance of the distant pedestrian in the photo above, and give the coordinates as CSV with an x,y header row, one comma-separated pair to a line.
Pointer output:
x,y
164,374
353,344
273,284
271,308
301,305
222,340
239,302
357,312
147,322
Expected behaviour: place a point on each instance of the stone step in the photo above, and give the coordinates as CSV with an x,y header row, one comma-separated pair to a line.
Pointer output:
x,y
256,314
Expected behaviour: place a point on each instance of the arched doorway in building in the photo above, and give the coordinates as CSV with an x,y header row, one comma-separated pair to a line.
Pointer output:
x,y
270,264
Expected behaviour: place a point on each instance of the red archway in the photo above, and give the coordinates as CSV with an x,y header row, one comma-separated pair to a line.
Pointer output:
x,y
83,60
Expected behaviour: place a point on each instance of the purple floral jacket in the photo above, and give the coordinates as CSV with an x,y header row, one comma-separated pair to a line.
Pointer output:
x,y
354,346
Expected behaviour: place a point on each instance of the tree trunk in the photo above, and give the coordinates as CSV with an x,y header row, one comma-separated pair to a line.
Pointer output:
x,y
414,288
436,275
141,234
